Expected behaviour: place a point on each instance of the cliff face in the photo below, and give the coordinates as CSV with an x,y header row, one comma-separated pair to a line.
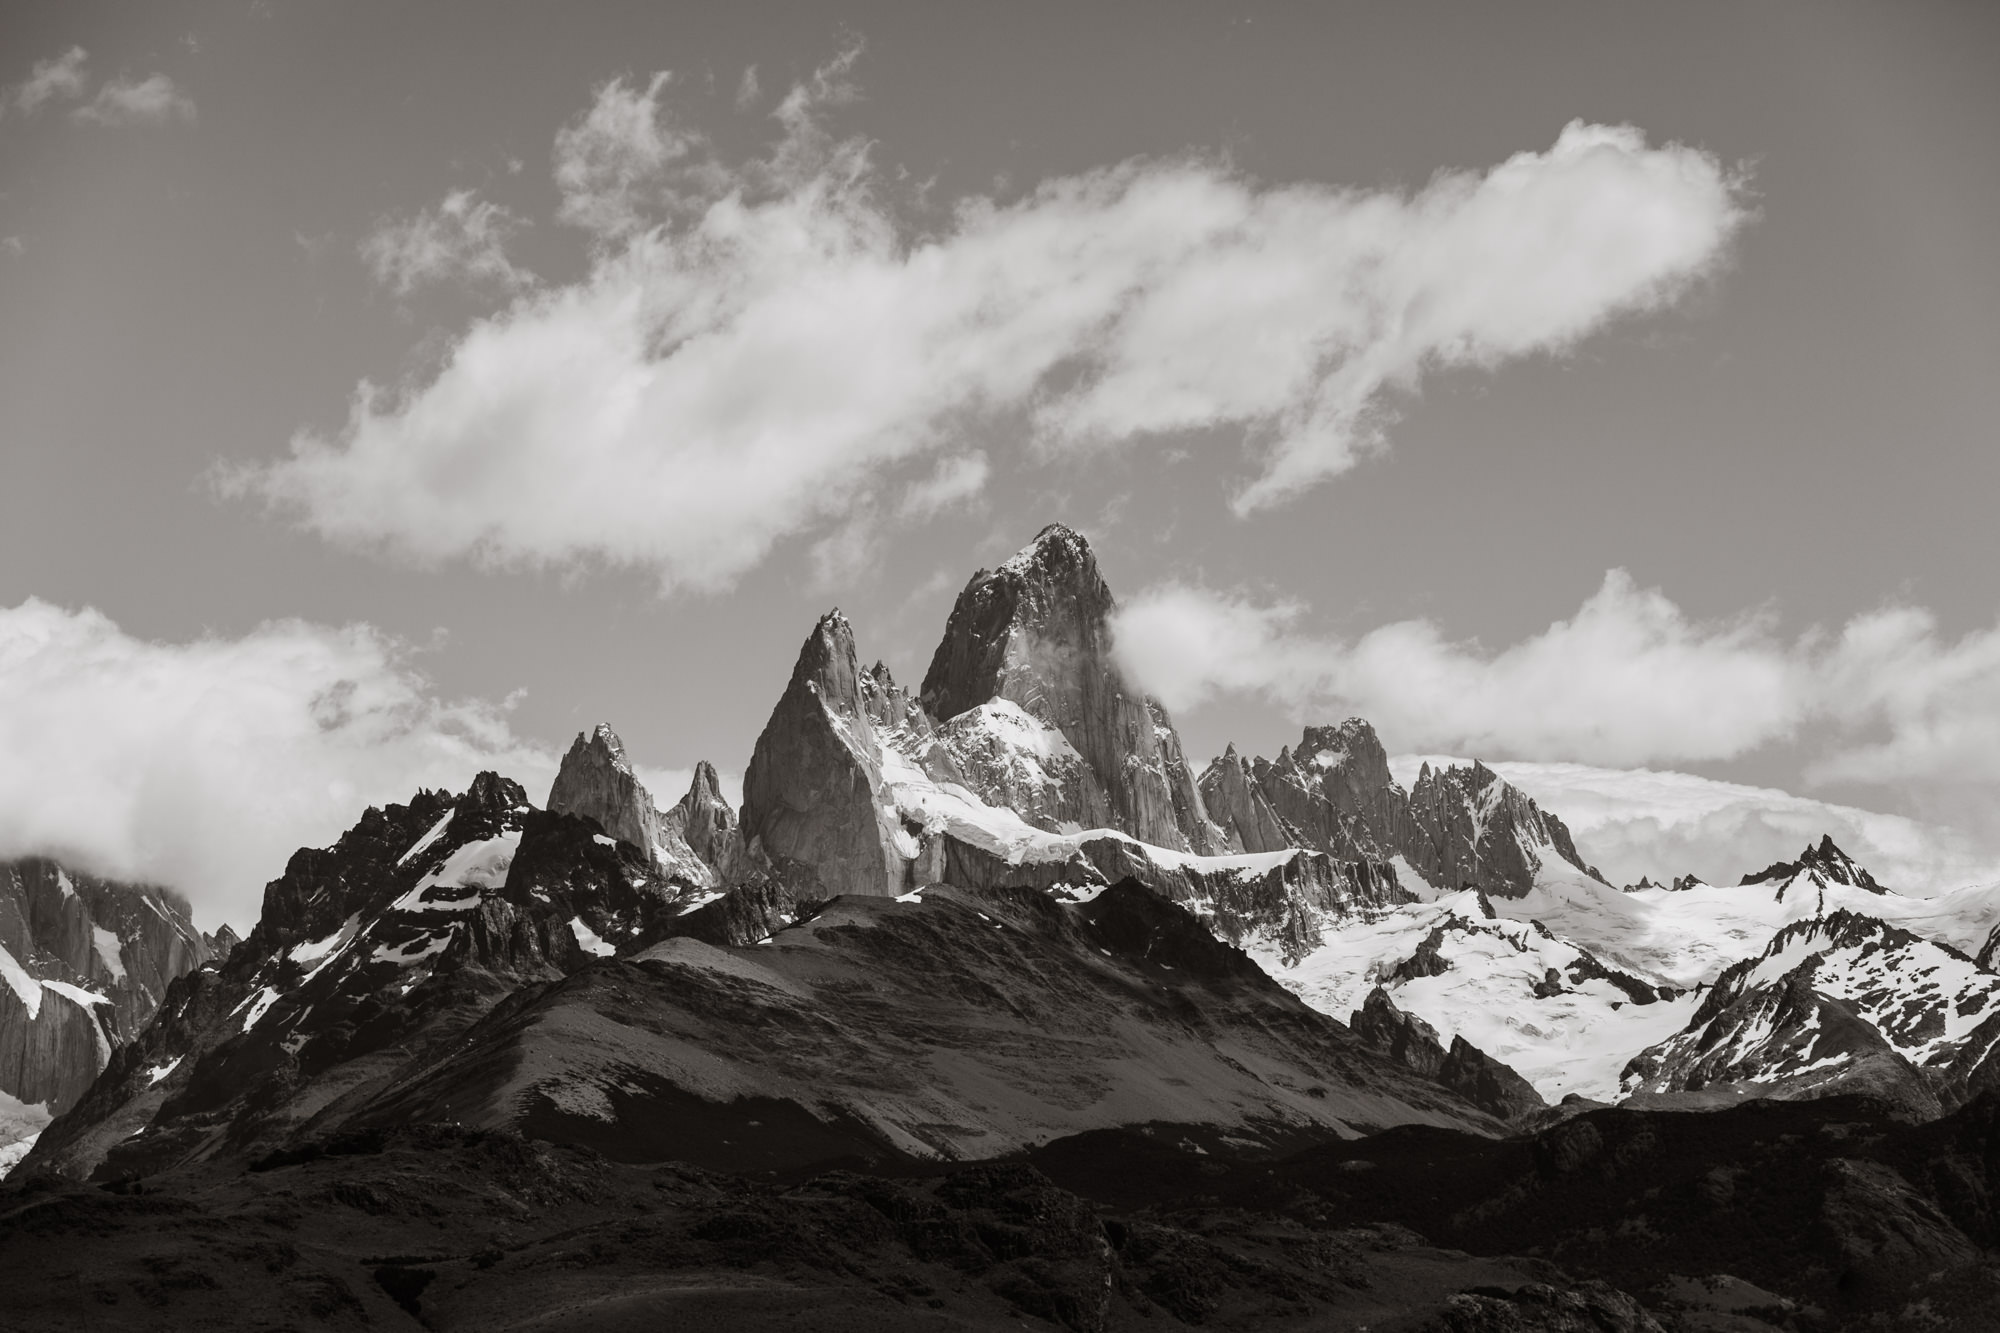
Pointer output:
x,y
704,821
84,962
1036,633
813,793
1460,827
596,782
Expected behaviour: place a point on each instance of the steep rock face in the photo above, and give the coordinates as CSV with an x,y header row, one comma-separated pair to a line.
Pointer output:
x,y
1471,828
813,791
1458,828
1335,787
84,962
1237,803
596,781
704,820
1036,632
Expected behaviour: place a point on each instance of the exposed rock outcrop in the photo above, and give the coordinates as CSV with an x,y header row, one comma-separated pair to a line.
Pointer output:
x,y
1462,1067
1237,802
1460,827
704,820
1816,869
813,791
1037,633
83,964
596,782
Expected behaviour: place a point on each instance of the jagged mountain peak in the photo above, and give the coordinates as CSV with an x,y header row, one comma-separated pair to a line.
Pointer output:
x,y
812,793
1842,1001
1823,863
1036,632
603,740
706,785
827,664
492,792
689,843
1057,549
1334,792
1333,745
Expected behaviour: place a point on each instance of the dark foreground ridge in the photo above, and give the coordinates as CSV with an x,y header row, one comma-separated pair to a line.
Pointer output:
x,y
1770,1216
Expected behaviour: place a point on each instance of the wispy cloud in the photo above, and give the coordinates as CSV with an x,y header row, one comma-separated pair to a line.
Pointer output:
x,y
954,481
759,343
1630,679
57,79
205,764
462,239
153,100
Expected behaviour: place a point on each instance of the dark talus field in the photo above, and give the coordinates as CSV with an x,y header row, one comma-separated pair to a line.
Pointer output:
x,y
986,1010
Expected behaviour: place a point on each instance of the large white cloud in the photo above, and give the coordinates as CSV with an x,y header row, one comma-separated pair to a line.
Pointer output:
x,y
1646,823
758,343
203,765
1628,680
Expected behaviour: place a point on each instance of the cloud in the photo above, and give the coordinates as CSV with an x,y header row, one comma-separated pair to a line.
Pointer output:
x,y
203,765
14,246
59,78
619,164
953,482
1630,679
748,90
1936,704
1643,823
153,100
463,239
759,343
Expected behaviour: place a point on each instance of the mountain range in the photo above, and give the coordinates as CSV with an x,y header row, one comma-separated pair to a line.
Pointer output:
x,y
993,920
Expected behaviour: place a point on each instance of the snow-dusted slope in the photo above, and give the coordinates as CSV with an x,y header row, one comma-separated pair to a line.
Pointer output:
x,y
1831,1003
1470,965
1555,1012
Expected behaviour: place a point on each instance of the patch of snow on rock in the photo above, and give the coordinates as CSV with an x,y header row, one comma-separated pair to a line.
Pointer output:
x,y
418,847
109,949
588,939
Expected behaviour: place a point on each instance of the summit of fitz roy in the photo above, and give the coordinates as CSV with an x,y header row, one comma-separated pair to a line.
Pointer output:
x,y
942,1025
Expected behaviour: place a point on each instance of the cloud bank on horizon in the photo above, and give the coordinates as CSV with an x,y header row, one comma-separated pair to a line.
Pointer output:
x,y
204,765
758,345
1628,680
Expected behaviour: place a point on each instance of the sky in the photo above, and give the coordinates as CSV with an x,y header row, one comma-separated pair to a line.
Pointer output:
x,y
1604,391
